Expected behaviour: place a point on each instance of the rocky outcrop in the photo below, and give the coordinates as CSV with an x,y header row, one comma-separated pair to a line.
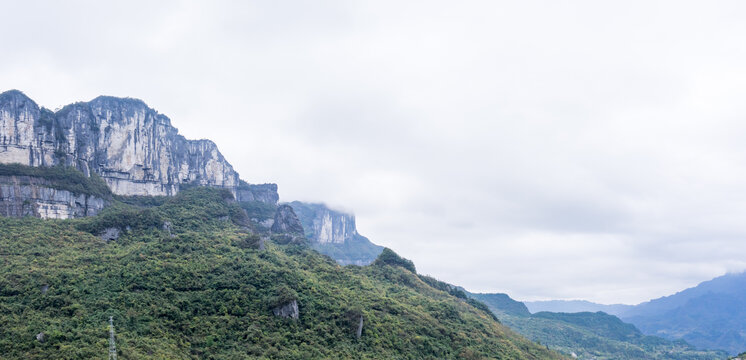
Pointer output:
x,y
32,196
110,234
286,221
288,310
324,225
132,147
265,193
359,331
334,233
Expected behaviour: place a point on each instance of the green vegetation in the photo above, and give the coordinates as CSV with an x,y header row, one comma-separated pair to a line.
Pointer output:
x,y
61,178
259,210
389,257
204,291
504,303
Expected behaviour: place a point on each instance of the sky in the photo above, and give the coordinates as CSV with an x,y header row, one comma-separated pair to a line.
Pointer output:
x,y
550,150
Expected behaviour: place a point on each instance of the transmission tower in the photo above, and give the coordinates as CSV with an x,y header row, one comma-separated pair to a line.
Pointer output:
x,y
112,344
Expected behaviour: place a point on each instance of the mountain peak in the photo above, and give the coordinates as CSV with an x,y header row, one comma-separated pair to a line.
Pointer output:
x,y
16,96
113,101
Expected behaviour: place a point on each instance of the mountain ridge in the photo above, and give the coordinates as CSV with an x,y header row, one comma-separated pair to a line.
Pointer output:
x,y
709,315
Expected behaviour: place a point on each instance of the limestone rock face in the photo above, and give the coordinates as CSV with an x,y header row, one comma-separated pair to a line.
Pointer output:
x,y
325,225
32,196
266,193
132,147
334,233
289,310
286,221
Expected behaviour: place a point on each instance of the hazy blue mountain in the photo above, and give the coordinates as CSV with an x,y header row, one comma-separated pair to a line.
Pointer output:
x,y
589,335
573,306
334,234
709,315
502,303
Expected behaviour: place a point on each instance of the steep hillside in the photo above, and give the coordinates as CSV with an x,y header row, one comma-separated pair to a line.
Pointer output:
x,y
333,233
185,279
589,335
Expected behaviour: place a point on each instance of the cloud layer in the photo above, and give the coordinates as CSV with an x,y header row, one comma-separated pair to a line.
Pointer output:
x,y
576,150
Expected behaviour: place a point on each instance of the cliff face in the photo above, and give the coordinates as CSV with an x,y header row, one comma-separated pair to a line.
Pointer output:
x,y
32,196
135,149
325,226
333,233
265,193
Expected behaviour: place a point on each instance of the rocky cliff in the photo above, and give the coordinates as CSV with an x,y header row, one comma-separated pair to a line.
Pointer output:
x,y
132,147
324,225
33,196
264,193
334,233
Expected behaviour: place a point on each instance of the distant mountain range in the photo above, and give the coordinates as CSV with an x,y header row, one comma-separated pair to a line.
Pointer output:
x,y
588,335
711,315
573,306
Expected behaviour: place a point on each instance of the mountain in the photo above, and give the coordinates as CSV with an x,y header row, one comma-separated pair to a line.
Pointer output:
x,y
334,233
132,147
572,306
503,304
135,151
159,234
185,279
588,335
710,315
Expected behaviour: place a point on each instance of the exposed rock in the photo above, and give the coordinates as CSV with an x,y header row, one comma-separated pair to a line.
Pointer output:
x,y
325,225
40,337
33,196
110,234
334,233
288,310
266,193
359,328
135,149
286,222
167,228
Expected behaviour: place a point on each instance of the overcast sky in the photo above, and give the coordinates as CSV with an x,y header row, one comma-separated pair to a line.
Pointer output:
x,y
551,150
